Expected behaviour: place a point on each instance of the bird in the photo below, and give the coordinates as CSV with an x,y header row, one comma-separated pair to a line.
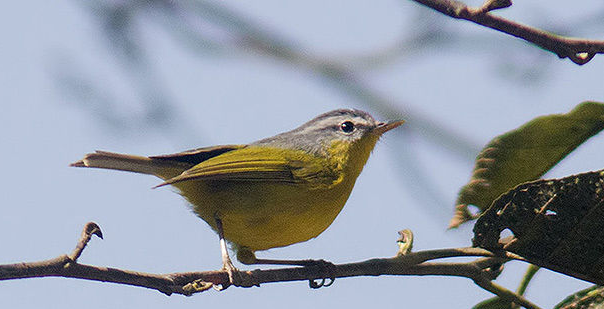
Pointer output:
x,y
271,193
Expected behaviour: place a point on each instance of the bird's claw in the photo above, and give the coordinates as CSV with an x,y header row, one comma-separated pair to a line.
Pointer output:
x,y
314,285
326,268
236,278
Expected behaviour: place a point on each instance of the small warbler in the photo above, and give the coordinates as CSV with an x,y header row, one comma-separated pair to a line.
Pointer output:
x,y
271,193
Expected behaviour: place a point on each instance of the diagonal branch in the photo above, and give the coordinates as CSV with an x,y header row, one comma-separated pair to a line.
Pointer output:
x,y
482,271
579,51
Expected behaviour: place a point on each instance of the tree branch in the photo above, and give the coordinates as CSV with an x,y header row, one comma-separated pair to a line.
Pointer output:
x,y
579,51
481,271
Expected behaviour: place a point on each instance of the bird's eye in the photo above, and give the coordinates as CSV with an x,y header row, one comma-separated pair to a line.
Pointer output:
x,y
347,126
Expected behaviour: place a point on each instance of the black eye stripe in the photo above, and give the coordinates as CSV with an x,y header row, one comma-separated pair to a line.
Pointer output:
x,y
347,126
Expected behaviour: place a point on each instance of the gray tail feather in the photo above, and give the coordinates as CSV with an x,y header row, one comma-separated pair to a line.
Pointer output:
x,y
108,160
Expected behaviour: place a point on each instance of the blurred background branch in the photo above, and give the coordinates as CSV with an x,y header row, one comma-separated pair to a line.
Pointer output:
x,y
211,29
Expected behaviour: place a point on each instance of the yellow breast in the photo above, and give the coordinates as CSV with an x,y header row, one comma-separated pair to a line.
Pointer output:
x,y
262,215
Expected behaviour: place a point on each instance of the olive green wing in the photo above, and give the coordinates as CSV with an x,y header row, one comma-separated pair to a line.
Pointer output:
x,y
261,164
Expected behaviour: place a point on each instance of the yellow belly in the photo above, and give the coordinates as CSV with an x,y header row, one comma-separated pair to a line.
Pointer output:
x,y
261,216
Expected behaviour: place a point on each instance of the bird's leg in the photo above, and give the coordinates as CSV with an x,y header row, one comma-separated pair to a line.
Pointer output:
x,y
248,257
236,277
227,264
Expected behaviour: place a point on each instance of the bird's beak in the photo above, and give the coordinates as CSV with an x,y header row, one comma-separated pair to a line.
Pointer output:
x,y
384,127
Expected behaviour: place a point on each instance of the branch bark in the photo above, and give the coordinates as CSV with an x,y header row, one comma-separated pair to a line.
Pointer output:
x,y
579,51
482,271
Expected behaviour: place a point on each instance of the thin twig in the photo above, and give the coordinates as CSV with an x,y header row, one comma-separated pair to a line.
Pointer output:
x,y
504,293
579,51
90,229
526,279
187,283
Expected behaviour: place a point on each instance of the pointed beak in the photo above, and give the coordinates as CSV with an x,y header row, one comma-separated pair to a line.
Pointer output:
x,y
384,127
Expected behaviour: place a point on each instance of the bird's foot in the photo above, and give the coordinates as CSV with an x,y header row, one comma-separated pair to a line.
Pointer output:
x,y
327,271
237,278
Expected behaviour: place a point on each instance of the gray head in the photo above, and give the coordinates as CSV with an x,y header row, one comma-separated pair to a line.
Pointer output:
x,y
338,125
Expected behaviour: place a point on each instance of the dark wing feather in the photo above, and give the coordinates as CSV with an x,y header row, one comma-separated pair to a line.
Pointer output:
x,y
196,156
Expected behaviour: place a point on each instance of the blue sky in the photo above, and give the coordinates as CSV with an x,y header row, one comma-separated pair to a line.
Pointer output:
x,y
479,84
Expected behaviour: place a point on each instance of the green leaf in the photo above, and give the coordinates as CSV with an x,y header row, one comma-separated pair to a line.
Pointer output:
x,y
592,298
525,154
556,224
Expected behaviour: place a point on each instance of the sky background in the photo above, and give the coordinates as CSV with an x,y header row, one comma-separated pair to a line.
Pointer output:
x,y
71,82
